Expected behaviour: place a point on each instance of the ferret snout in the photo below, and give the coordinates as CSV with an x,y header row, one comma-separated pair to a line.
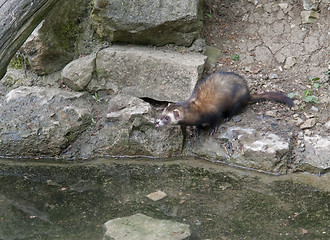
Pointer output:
x,y
159,122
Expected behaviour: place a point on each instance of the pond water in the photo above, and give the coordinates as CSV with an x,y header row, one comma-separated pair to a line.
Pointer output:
x,y
57,200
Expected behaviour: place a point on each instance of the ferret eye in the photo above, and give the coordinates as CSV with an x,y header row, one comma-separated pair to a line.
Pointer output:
x,y
167,118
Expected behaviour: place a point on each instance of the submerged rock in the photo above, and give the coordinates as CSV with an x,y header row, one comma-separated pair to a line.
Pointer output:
x,y
142,227
155,22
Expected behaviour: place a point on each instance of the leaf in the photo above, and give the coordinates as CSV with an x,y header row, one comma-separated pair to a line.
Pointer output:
x,y
307,93
209,15
310,99
293,94
316,85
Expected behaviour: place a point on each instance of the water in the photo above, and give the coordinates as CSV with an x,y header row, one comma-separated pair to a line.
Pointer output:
x,y
47,200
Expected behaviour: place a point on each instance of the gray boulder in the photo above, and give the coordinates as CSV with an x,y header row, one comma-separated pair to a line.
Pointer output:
x,y
78,73
127,128
52,44
147,72
315,155
155,22
247,147
38,121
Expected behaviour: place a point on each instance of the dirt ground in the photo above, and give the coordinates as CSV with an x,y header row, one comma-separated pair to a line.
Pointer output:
x,y
267,43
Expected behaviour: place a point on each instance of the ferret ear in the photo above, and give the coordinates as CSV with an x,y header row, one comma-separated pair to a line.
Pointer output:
x,y
177,114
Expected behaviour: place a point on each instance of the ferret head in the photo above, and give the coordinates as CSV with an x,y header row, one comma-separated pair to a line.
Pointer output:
x,y
172,115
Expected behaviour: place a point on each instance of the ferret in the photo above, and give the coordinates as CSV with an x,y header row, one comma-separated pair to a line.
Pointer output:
x,y
218,97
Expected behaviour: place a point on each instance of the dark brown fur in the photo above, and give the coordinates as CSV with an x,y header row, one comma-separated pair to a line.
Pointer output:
x,y
219,96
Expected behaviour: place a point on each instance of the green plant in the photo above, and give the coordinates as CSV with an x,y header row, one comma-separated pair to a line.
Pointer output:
x,y
19,62
209,15
309,94
235,57
96,97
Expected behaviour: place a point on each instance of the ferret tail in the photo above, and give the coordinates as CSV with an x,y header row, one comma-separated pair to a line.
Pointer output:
x,y
272,96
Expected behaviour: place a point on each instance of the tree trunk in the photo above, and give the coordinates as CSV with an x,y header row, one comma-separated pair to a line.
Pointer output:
x,y
18,18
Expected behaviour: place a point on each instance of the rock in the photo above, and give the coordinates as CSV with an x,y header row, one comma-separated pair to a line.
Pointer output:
x,y
327,125
128,129
283,6
147,73
315,109
316,157
309,16
156,196
311,4
78,73
309,115
249,148
263,55
142,227
309,123
299,121
273,76
213,54
51,45
152,22
39,121
271,113
289,62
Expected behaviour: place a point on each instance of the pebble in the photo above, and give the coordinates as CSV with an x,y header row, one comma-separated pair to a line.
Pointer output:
x,y
315,109
289,62
327,124
156,196
273,76
299,121
307,115
309,16
283,5
309,123
271,113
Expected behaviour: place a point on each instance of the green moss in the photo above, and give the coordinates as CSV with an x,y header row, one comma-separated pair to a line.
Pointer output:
x,y
19,62
67,33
